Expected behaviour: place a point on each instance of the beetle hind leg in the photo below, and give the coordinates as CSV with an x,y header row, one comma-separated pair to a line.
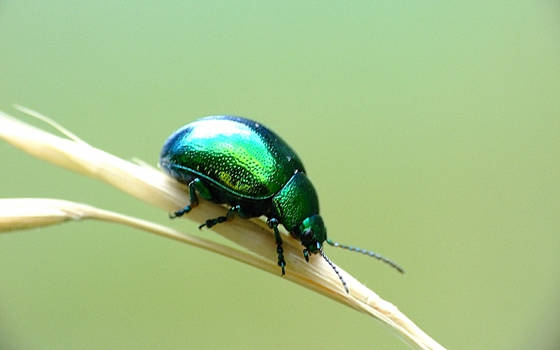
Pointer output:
x,y
194,186
236,209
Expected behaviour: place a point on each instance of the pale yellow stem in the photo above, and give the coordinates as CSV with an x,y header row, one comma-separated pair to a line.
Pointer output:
x,y
154,187
27,213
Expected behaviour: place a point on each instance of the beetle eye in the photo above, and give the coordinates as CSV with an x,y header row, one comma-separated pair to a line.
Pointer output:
x,y
307,236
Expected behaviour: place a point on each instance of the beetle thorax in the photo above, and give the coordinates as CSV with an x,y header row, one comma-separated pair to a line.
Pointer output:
x,y
295,202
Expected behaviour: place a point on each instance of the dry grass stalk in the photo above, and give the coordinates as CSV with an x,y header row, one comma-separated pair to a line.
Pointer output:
x,y
154,187
26,213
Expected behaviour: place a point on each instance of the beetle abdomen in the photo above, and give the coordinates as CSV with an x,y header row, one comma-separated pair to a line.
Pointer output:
x,y
236,153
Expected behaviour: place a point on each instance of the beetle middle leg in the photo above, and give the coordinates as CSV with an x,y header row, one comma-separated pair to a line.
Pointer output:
x,y
230,214
194,186
273,223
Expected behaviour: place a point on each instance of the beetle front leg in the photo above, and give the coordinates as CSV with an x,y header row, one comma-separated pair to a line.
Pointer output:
x,y
273,223
230,214
194,186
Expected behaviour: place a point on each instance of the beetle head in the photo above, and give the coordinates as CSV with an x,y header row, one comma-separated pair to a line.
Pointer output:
x,y
313,233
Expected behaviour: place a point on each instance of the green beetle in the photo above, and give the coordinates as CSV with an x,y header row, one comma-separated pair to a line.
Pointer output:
x,y
239,162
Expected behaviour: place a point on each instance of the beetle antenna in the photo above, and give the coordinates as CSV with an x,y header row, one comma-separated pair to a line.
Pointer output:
x,y
335,270
366,252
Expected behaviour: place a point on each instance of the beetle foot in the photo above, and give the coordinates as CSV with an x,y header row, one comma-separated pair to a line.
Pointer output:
x,y
181,212
306,254
281,261
282,265
211,222
230,214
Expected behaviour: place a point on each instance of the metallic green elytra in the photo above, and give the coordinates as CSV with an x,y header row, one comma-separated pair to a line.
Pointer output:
x,y
239,162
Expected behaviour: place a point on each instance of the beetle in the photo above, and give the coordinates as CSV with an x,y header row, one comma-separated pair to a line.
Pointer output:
x,y
239,162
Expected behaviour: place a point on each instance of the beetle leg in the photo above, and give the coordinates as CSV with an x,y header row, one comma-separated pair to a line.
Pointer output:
x,y
273,223
194,186
230,214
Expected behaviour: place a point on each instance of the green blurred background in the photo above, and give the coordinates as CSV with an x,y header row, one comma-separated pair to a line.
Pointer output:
x,y
431,131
